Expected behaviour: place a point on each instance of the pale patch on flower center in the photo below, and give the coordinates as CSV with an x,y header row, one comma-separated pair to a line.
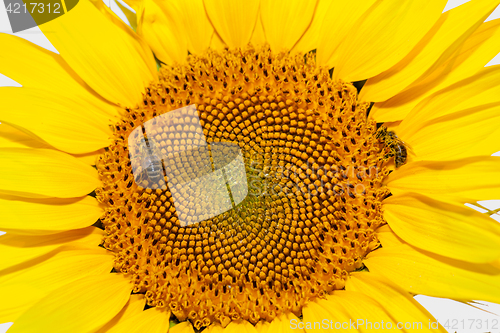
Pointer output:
x,y
314,166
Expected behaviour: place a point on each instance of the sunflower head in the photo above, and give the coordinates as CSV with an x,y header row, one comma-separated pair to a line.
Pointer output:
x,y
285,160
304,167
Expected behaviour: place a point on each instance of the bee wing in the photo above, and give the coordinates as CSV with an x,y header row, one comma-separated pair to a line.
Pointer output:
x,y
409,150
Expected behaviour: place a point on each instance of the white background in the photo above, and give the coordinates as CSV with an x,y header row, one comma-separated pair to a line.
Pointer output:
x,y
467,319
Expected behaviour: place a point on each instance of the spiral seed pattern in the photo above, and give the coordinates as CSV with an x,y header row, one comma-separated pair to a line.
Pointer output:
x,y
314,168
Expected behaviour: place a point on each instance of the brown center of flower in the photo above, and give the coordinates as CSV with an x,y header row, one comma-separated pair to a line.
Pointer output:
x,y
302,212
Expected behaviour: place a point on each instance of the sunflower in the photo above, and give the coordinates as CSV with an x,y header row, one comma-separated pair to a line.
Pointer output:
x,y
291,165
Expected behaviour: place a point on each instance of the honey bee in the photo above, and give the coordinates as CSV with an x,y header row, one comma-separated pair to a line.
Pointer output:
x,y
150,159
398,148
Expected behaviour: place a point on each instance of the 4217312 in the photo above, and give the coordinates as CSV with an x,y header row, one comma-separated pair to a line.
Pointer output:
x,y
26,14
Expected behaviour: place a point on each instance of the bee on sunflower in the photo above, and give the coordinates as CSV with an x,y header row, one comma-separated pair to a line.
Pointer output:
x,y
365,124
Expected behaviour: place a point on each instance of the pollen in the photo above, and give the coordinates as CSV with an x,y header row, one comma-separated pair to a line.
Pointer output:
x,y
314,165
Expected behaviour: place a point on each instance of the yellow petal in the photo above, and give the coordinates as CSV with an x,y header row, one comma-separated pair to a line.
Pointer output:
x,y
359,306
473,91
387,237
446,37
316,312
240,327
285,21
22,62
443,228
117,21
46,216
476,52
152,320
384,35
349,311
14,138
24,285
43,172
65,122
198,29
80,306
396,301
458,121
310,40
160,24
134,306
17,249
90,158
263,326
283,324
135,4
338,17
432,275
217,43
466,180
106,57
258,35
215,328
471,132
130,15
53,269
35,67
144,49
184,327
234,20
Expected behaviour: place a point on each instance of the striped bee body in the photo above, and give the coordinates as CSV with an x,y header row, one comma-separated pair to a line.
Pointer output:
x,y
151,162
399,150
